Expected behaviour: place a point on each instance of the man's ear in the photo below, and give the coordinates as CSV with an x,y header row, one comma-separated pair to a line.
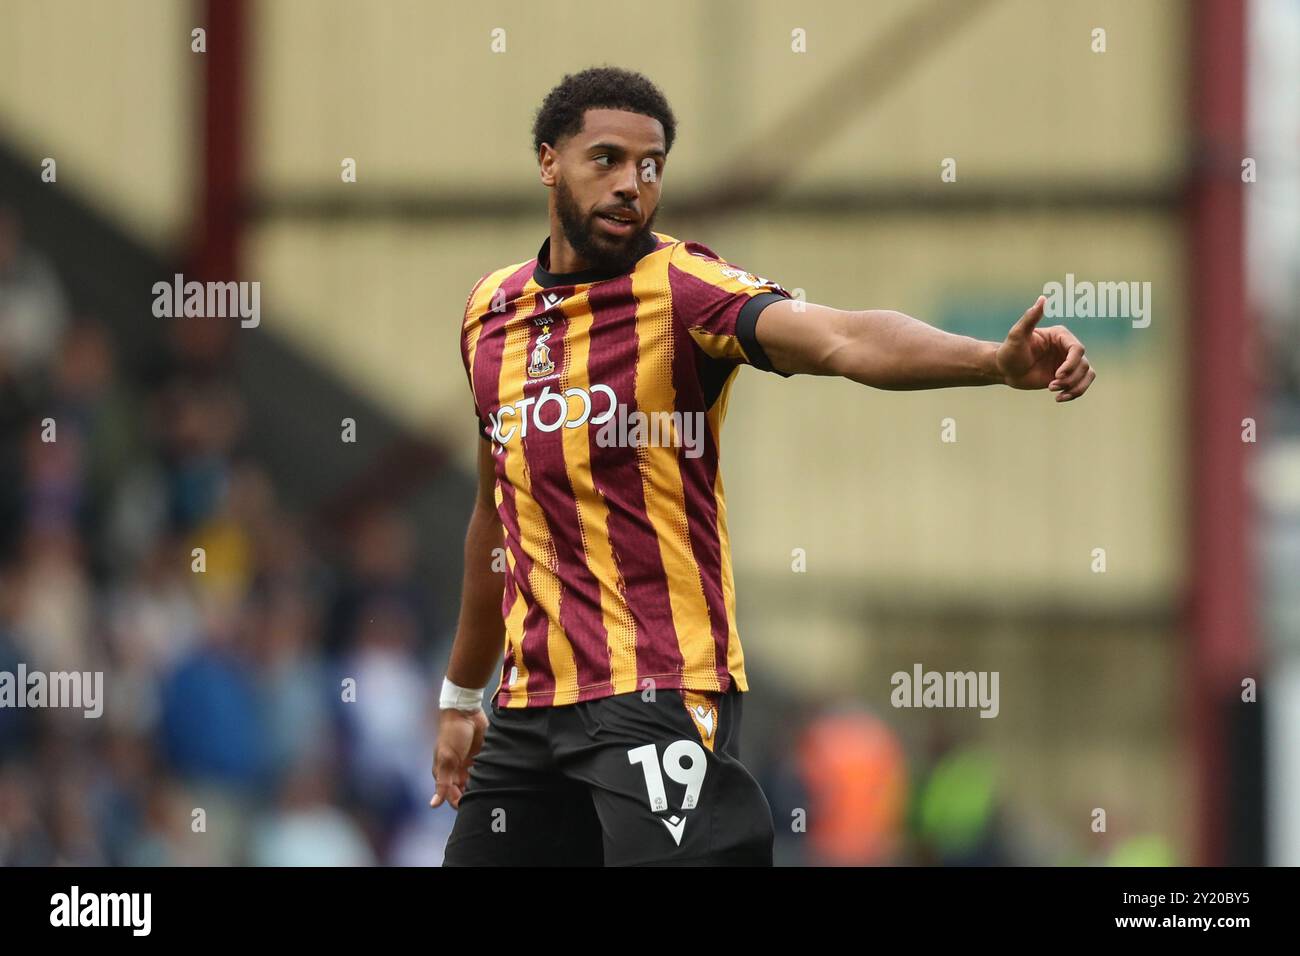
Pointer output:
x,y
546,161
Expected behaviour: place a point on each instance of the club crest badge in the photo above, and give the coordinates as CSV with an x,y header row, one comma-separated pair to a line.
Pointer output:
x,y
540,363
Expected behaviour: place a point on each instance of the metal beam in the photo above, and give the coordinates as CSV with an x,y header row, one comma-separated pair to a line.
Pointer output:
x,y
1223,642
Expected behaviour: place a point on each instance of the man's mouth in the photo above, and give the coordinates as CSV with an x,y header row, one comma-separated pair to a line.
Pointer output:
x,y
618,222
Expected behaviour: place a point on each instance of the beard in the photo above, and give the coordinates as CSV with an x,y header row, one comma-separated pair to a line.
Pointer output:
x,y
601,252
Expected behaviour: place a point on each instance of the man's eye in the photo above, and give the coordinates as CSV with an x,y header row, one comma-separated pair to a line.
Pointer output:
x,y
604,160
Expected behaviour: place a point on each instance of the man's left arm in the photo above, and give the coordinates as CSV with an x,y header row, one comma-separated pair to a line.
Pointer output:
x,y
890,350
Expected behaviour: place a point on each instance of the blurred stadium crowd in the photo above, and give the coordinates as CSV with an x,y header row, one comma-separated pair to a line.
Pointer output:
x,y
224,687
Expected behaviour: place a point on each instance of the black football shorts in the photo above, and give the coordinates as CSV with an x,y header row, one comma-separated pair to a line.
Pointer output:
x,y
619,781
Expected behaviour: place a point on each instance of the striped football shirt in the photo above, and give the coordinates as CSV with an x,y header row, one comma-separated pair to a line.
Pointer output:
x,y
603,397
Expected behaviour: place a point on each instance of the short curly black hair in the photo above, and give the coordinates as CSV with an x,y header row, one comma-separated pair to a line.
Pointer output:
x,y
600,87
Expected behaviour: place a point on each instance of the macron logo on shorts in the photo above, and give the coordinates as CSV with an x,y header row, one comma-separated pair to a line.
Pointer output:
x,y
704,717
675,825
704,711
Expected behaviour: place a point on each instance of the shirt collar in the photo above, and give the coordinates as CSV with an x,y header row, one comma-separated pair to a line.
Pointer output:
x,y
548,280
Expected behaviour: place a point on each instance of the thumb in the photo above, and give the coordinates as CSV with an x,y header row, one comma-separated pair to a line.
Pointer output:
x,y
1027,322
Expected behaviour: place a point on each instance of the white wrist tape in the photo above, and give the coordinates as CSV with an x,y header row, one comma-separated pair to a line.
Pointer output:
x,y
460,698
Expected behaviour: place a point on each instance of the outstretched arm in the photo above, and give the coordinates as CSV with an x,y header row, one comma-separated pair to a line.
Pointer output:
x,y
891,350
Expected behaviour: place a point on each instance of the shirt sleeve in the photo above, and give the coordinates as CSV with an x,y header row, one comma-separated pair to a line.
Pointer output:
x,y
719,303
469,329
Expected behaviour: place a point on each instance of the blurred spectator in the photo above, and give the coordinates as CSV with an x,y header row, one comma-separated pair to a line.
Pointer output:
x,y
211,728
422,840
291,679
153,622
55,603
856,775
202,421
380,566
956,811
1149,849
53,470
307,830
90,405
16,731
33,309
23,838
76,839
387,727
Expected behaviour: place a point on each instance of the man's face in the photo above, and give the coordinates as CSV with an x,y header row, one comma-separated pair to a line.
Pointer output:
x,y
606,179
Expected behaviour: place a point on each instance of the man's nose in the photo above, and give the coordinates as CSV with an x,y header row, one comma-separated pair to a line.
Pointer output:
x,y
628,188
